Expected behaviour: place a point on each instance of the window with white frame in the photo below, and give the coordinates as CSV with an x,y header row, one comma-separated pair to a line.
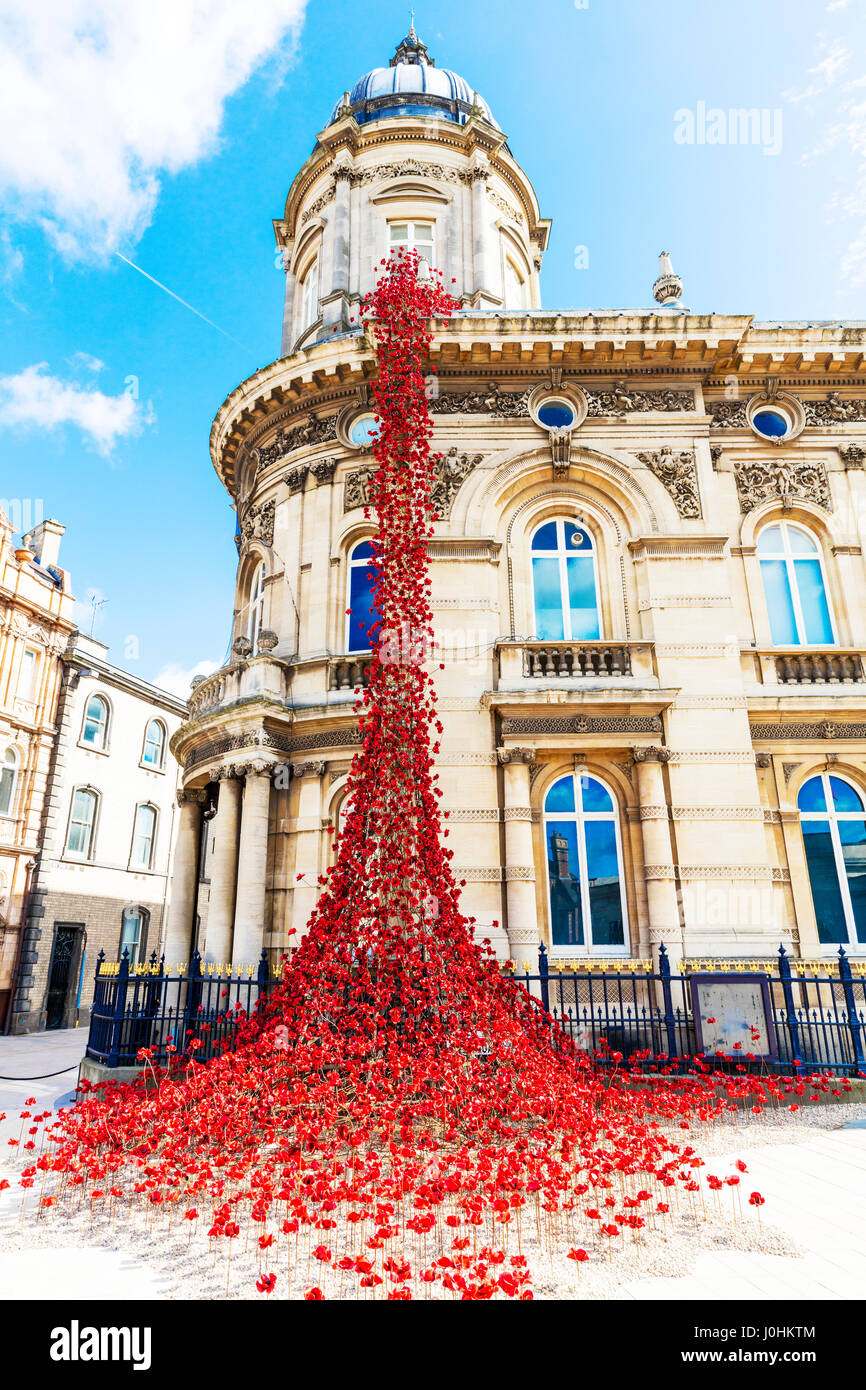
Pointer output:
x,y
82,823
515,287
133,933
361,614
8,782
795,586
27,675
412,236
833,821
143,836
586,887
154,744
251,615
94,731
310,295
565,583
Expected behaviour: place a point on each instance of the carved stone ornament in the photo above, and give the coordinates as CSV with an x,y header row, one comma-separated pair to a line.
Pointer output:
x,y
268,639
258,524
296,478
449,474
516,755
242,647
728,415
311,769
324,471
313,430
677,472
560,451
651,755
191,796
834,410
502,405
854,456
621,401
585,724
406,168
768,479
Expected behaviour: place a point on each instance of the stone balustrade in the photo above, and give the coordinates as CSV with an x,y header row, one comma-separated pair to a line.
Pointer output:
x,y
262,676
802,666
348,672
575,660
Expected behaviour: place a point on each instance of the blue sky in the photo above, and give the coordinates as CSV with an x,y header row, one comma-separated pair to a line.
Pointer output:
x,y
168,131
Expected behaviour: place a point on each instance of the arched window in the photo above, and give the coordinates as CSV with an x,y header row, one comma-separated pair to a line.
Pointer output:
x,y
515,287
133,933
8,782
143,836
251,619
565,583
82,823
833,820
360,596
154,744
792,568
95,729
584,867
310,295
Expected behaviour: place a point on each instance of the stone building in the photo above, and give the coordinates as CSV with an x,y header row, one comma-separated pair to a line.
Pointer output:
x,y
35,621
108,827
648,580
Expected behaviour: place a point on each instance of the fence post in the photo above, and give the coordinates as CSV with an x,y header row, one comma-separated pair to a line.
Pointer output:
x,y
787,991
851,1005
544,972
119,1009
667,997
193,999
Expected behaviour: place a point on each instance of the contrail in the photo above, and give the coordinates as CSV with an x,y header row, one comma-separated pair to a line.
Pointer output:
x,y
192,310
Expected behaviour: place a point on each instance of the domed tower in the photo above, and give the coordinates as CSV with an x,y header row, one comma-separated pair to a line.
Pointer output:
x,y
411,156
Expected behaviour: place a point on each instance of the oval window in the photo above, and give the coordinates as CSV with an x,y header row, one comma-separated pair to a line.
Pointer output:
x,y
771,424
363,431
556,415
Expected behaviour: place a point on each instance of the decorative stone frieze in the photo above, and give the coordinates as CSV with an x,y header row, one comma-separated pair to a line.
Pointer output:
x,y
296,478
677,472
449,474
623,401
258,524
585,724
324,471
835,409
827,729
313,430
764,480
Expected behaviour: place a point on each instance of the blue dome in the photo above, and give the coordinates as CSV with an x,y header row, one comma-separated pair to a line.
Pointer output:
x,y
412,86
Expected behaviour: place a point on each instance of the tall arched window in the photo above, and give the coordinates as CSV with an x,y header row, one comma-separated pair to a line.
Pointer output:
x,y
360,598
154,744
584,868
251,614
94,731
792,568
515,287
8,782
143,836
82,823
565,583
310,295
833,820
133,933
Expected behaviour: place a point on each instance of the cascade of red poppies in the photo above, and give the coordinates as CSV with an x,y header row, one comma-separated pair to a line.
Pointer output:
x,y
398,1103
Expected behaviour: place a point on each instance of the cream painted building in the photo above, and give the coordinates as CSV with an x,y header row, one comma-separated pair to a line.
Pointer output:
x,y
35,621
104,867
648,580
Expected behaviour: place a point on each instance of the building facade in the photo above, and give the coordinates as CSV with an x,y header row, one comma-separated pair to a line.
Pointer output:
x,y
104,868
36,606
648,581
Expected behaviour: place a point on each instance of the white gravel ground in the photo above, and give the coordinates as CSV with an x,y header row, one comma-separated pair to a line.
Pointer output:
x,y
180,1263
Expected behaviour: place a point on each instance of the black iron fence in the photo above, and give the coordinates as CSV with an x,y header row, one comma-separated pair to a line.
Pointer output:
x,y
810,1016
148,1008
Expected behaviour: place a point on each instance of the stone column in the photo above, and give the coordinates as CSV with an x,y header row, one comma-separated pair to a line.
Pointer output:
x,y
483,289
223,868
659,871
523,933
179,923
308,841
249,931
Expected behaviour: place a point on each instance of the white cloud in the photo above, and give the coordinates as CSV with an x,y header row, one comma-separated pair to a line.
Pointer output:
x,y
87,362
98,100
35,399
178,679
